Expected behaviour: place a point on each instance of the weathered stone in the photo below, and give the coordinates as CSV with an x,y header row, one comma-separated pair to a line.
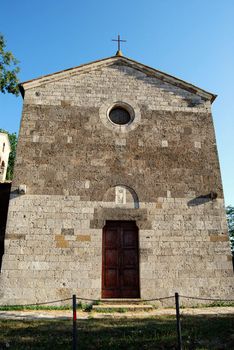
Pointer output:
x,y
83,238
219,238
67,231
61,242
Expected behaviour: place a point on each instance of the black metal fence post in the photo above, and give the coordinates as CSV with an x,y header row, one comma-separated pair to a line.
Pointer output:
x,y
74,332
178,321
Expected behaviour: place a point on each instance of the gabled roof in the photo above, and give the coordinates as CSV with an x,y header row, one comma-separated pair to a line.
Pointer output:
x,y
120,60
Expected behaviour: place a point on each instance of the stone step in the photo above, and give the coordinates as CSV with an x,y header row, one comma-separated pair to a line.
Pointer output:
x,y
121,301
105,307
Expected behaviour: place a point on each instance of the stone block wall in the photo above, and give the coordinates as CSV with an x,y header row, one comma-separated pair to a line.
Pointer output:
x,y
54,248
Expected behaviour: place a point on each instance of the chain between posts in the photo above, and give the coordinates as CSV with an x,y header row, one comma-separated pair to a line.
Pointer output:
x,y
74,307
141,300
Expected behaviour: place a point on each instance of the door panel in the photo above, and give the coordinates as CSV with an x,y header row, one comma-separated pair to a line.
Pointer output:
x,y
112,278
129,258
129,239
120,265
110,238
111,257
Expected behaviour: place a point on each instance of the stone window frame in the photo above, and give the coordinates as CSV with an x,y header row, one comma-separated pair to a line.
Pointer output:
x,y
132,109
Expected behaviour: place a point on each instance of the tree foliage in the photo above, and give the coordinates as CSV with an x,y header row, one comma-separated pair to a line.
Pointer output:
x,y
8,70
230,221
13,142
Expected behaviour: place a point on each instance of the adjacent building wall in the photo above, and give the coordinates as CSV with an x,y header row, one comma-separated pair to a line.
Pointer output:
x,y
5,149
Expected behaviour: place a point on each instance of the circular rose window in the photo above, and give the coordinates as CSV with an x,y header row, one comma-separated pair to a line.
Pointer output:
x,y
119,115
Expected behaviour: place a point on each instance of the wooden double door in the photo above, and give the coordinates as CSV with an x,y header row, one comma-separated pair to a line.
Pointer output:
x,y
120,260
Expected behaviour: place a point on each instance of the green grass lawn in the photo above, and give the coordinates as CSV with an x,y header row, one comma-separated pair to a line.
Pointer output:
x,y
206,332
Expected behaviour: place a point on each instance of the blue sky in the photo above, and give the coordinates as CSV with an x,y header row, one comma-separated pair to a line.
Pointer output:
x,y
192,40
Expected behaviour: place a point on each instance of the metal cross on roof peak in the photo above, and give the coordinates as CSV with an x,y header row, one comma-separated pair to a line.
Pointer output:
x,y
119,52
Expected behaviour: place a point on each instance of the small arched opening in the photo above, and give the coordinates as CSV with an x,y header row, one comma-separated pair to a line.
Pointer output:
x,y
122,196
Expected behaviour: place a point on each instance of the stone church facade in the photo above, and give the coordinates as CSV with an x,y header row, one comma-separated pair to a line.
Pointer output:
x,y
117,190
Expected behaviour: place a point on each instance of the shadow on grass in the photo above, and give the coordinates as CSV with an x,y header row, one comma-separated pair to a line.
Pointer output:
x,y
207,332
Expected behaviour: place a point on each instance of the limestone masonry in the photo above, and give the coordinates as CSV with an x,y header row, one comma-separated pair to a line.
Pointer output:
x,y
76,170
